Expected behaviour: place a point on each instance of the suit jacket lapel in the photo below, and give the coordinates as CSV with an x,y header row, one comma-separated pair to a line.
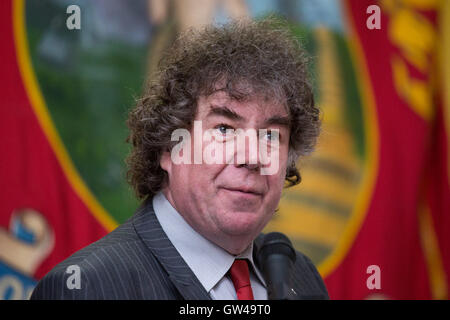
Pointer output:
x,y
149,229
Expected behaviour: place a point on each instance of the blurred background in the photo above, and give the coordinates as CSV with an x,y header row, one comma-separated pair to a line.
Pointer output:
x,y
373,208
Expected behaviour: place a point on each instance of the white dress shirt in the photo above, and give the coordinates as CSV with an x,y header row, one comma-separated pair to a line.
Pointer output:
x,y
209,262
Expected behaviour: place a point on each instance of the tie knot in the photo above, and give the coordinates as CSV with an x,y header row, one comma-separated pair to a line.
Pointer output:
x,y
241,279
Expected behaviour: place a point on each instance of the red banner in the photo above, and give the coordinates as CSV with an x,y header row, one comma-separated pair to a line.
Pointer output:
x,y
42,217
401,234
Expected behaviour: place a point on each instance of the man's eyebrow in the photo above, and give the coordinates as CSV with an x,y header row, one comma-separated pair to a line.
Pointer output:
x,y
225,112
279,120
230,114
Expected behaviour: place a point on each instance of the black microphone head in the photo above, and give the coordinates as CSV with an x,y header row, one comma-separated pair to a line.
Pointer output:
x,y
276,243
276,257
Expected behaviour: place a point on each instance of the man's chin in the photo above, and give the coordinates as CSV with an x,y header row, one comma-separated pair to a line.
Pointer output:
x,y
241,223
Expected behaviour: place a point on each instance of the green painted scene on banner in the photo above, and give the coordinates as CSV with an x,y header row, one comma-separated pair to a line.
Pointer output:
x,y
90,79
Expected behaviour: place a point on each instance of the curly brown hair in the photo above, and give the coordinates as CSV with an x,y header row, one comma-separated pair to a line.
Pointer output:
x,y
261,56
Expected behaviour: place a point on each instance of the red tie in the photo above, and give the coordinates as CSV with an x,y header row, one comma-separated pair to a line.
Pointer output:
x,y
241,279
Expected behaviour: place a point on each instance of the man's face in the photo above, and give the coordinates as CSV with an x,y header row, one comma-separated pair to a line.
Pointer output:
x,y
230,203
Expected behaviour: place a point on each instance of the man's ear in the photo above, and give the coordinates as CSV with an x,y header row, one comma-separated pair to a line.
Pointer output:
x,y
166,162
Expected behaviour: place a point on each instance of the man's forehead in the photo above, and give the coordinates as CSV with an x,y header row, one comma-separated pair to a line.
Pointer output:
x,y
249,105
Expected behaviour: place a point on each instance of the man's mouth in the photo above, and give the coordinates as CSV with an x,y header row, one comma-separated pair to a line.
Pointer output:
x,y
244,191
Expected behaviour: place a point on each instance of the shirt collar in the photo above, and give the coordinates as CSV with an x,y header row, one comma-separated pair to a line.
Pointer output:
x,y
209,262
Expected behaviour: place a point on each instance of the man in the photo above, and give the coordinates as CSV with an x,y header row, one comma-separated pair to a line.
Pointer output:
x,y
208,196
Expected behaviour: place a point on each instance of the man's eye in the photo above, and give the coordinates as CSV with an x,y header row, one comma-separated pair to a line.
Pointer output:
x,y
272,135
222,128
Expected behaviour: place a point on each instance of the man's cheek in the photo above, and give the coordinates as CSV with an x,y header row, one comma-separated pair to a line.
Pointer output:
x,y
272,168
274,162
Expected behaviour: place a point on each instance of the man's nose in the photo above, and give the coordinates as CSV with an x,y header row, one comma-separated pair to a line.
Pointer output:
x,y
248,152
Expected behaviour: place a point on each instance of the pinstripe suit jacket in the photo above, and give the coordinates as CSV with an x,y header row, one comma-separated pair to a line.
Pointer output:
x,y
138,261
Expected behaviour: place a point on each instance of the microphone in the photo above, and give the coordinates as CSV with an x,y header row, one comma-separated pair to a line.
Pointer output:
x,y
276,257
